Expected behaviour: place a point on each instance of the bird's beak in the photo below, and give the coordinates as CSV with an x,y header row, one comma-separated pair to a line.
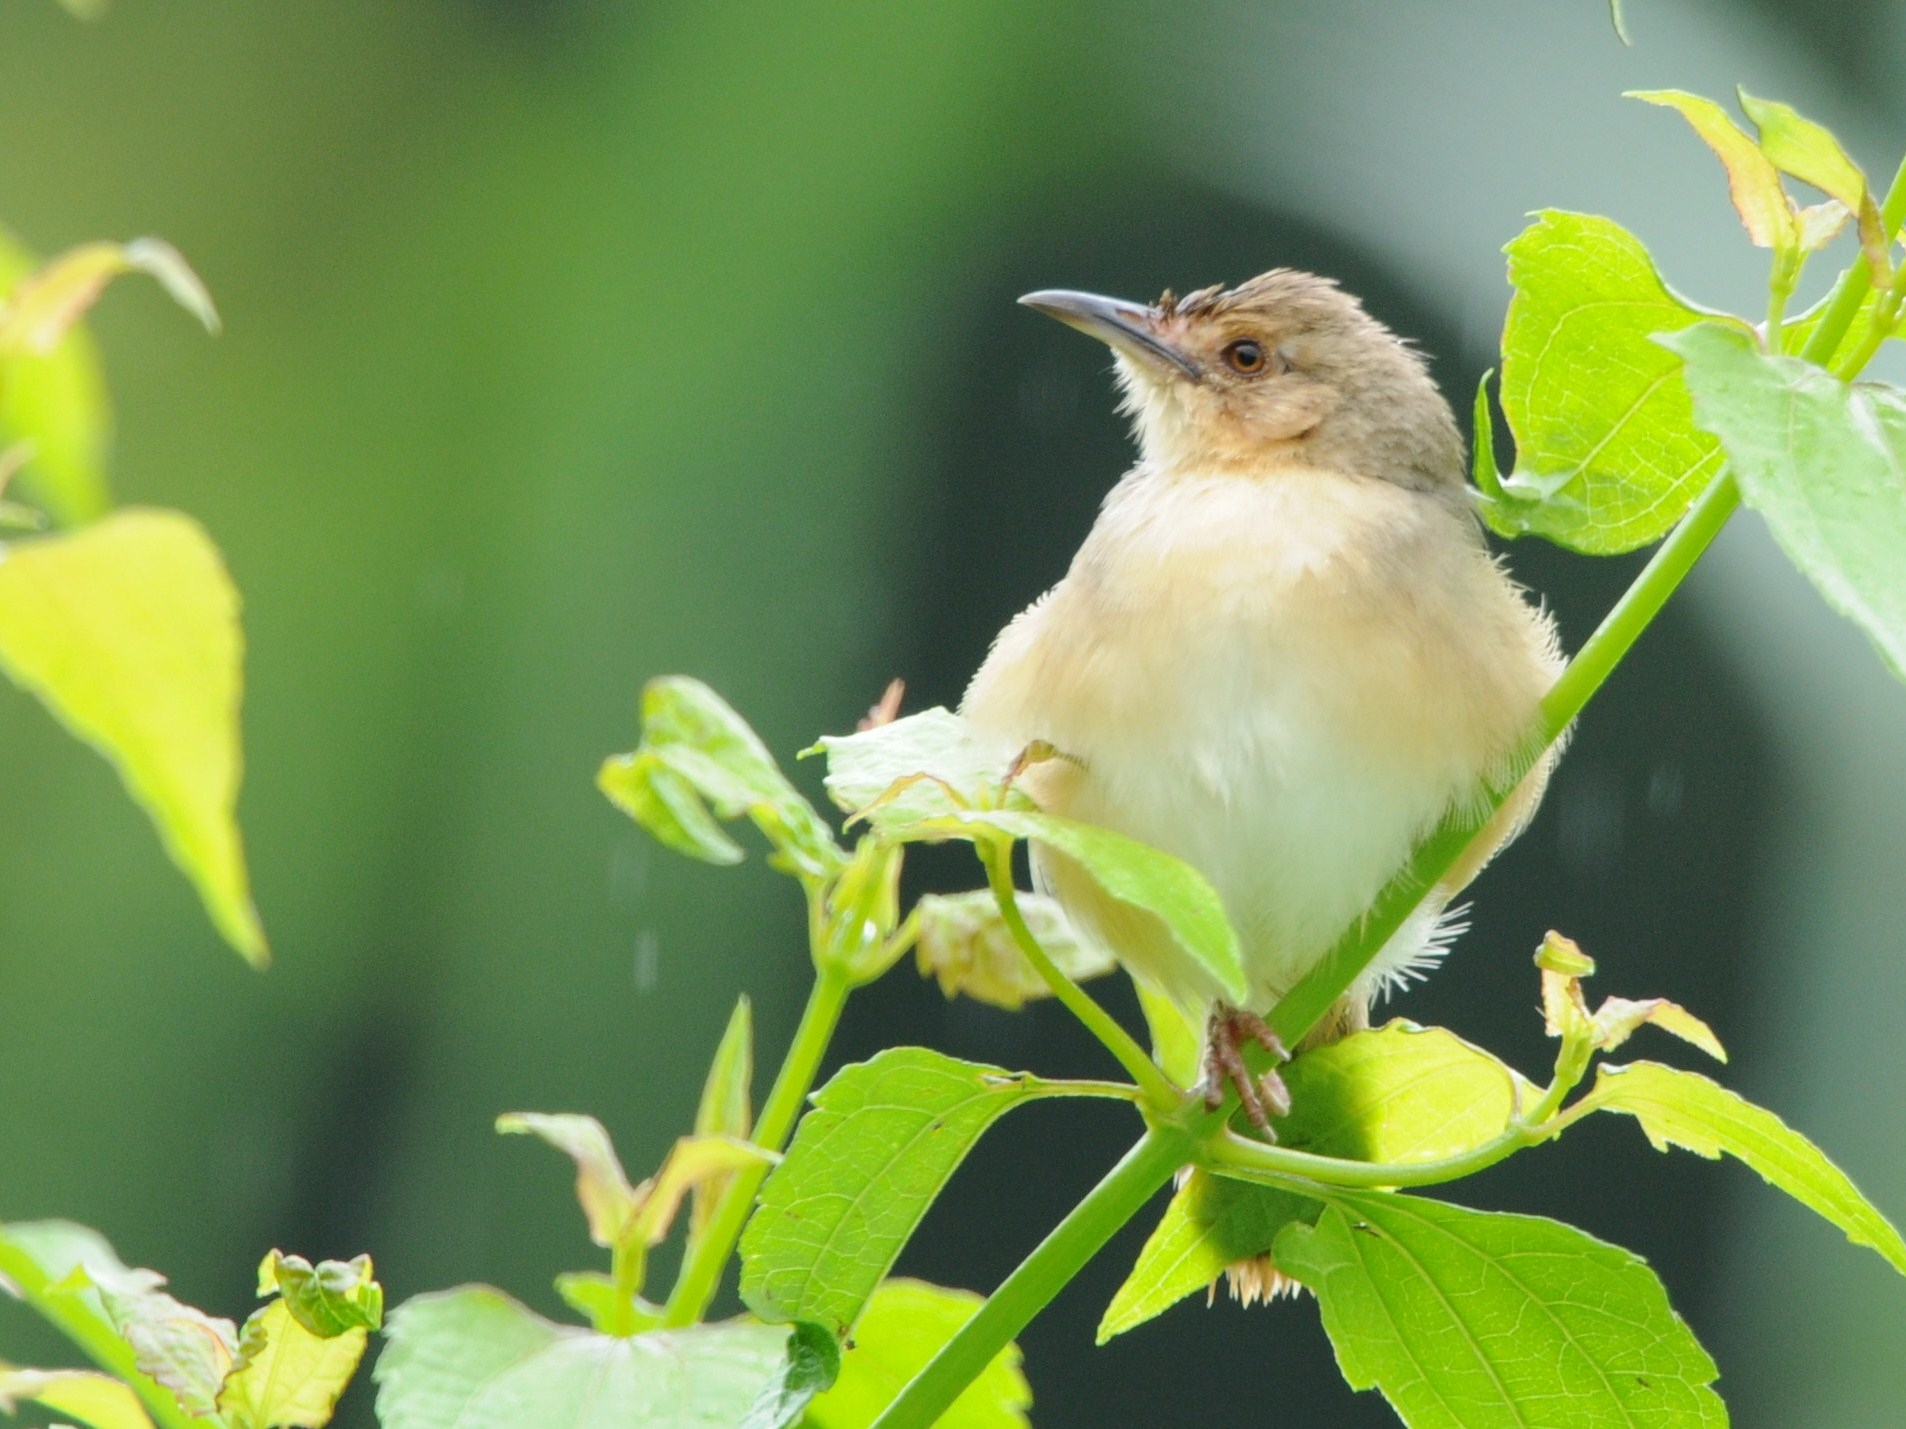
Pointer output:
x,y
1129,328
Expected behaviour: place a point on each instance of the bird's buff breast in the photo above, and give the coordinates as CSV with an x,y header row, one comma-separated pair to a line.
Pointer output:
x,y
1285,682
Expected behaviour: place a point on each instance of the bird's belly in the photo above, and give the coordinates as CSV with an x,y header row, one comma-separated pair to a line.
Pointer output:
x,y
1259,780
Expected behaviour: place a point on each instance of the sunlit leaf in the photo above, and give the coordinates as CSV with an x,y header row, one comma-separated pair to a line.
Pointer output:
x,y
904,1325
692,1161
95,1399
1823,461
919,767
866,1162
58,1268
128,631
1685,1109
608,1201
1607,454
1399,1093
285,1375
42,307
695,748
475,1359
56,406
966,946
1619,1018
1135,874
1475,1320
1211,1224
1798,146
725,1108
1753,183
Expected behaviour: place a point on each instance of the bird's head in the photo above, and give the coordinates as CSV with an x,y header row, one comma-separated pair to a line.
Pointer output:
x,y
1286,367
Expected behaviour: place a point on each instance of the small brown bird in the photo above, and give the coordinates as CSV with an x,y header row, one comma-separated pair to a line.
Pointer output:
x,y
1283,653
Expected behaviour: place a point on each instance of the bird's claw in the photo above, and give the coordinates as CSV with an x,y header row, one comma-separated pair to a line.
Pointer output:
x,y
1263,1097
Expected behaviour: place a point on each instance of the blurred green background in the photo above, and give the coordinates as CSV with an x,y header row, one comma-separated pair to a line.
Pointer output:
x,y
572,342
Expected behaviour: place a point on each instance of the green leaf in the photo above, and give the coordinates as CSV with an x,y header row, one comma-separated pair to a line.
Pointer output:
x,y
1399,1093
56,404
725,1108
904,1325
1472,1320
71,1276
1608,457
1823,461
813,1363
1135,874
127,630
966,946
1798,146
1685,1109
328,1298
1211,1224
95,1399
1753,183
287,1376
609,1202
598,1299
867,1161
694,748
932,758
473,1358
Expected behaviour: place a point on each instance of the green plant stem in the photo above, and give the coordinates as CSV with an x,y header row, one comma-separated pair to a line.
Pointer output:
x,y
1233,1155
1843,304
1317,991
1158,1088
708,1256
1146,1168
72,1317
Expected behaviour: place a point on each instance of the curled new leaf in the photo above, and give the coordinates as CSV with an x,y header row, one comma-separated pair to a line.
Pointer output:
x,y
53,409
42,307
919,767
327,1298
608,1201
298,1353
1796,145
965,945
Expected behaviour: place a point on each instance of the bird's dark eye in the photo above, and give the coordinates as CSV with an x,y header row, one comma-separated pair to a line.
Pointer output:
x,y
1246,356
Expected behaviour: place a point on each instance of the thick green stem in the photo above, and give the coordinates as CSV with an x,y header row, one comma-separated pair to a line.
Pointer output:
x,y
701,1271
73,1318
1040,1276
1313,996
1232,1155
1138,1064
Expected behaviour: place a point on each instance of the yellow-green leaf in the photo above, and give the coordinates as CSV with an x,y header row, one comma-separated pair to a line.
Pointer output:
x,y
725,1108
285,1375
95,1399
128,632
1798,146
1211,1224
609,1202
1752,180
1677,1108
56,406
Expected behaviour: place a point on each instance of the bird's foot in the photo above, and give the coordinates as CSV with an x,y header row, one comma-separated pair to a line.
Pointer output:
x,y
1229,1031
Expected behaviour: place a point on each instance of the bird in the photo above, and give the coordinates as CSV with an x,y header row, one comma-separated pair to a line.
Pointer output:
x,y
1284,653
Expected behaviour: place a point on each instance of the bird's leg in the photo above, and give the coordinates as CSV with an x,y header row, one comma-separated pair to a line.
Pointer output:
x,y
1227,1033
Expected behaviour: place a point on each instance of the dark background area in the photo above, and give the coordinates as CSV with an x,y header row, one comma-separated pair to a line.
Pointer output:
x,y
572,343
